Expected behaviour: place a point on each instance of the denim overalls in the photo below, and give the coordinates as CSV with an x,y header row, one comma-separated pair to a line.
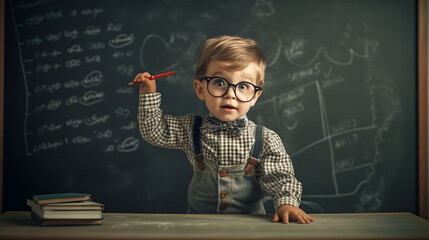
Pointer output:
x,y
225,189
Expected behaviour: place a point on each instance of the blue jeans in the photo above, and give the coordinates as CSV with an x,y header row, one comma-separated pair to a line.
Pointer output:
x,y
224,189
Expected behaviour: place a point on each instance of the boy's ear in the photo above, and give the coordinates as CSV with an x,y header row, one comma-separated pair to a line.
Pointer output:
x,y
255,99
198,86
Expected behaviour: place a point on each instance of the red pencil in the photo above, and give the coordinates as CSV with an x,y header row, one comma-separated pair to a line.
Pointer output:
x,y
155,77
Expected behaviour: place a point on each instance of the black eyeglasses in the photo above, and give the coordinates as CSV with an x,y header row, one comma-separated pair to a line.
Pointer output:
x,y
219,86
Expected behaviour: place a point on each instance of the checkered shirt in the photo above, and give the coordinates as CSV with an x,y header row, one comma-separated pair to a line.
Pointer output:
x,y
275,172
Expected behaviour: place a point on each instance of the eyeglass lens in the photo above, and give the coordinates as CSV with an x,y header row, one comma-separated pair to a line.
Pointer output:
x,y
218,87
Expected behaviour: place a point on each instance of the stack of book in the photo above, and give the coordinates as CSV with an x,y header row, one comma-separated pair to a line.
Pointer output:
x,y
65,209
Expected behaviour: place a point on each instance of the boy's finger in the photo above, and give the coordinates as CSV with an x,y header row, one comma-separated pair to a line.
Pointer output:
x,y
141,76
276,217
137,77
307,220
301,220
145,75
285,218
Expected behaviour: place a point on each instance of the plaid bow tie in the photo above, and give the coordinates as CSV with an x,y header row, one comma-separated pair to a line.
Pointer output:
x,y
213,124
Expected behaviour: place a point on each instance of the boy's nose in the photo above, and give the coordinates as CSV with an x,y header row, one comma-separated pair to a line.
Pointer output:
x,y
230,92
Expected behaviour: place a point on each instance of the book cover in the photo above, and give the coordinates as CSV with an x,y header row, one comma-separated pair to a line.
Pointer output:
x,y
81,205
61,197
64,222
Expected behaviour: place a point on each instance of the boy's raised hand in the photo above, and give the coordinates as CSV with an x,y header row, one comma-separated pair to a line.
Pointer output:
x,y
288,212
146,85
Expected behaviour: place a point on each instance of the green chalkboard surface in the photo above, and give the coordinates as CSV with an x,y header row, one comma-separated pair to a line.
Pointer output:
x,y
340,91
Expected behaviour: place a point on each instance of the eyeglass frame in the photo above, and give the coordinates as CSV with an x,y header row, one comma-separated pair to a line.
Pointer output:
x,y
208,79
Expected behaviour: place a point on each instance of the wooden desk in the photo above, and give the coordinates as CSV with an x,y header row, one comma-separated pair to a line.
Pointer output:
x,y
18,225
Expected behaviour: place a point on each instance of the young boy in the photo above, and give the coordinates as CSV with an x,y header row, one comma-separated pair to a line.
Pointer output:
x,y
227,179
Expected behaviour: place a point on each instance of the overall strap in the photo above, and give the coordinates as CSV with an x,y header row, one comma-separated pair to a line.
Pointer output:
x,y
197,142
253,160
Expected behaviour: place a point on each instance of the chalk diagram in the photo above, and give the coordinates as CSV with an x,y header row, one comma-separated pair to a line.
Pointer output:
x,y
334,150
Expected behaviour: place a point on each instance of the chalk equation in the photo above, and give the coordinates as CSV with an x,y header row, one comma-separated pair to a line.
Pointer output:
x,y
58,101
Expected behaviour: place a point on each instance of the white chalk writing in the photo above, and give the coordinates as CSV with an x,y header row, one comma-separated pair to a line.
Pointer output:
x,y
121,40
128,145
91,97
93,78
94,119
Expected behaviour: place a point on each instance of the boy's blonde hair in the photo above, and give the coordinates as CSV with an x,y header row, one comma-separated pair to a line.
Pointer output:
x,y
236,51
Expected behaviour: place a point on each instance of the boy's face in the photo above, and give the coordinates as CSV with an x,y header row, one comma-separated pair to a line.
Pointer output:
x,y
228,107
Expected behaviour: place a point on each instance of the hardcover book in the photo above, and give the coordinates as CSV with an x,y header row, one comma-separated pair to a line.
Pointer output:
x,y
64,222
61,197
74,210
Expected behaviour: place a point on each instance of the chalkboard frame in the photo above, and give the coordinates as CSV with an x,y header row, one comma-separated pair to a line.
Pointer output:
x,y
423,108
422,105
2,44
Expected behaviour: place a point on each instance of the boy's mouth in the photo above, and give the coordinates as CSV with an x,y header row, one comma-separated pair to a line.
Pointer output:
x,y
228,107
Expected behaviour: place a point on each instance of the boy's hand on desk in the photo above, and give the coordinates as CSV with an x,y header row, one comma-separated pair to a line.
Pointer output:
x,y
288,212
146,86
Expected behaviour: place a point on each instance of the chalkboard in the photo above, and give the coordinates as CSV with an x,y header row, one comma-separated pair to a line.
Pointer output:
x,y
340,91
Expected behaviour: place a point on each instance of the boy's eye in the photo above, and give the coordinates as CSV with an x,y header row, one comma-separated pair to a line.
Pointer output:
x,y
219,82
243,86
